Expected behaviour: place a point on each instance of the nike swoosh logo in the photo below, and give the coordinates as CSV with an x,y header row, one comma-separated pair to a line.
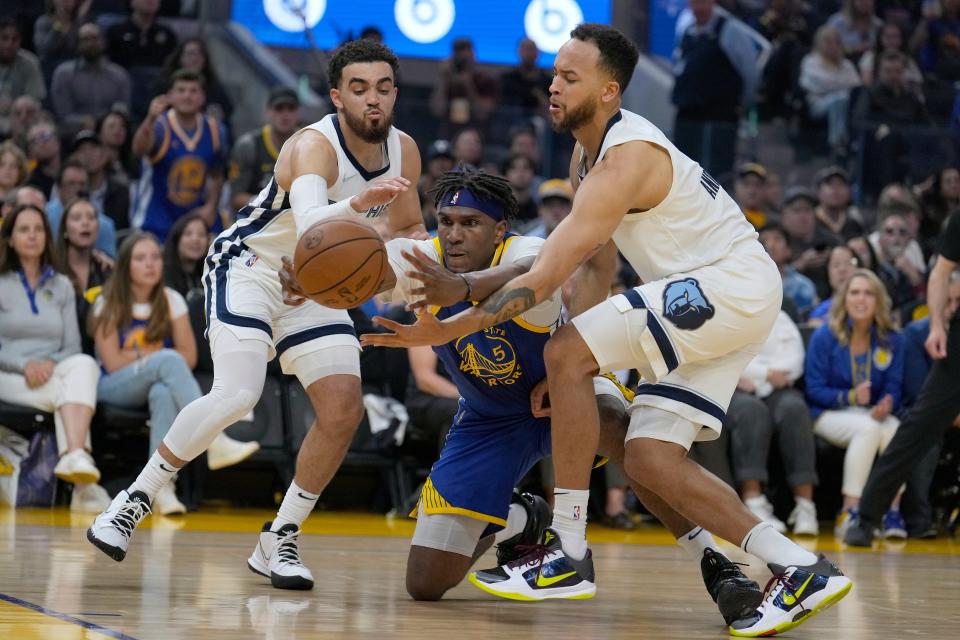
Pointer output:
x,y
306,497
166,469
791,600
694,535
546,582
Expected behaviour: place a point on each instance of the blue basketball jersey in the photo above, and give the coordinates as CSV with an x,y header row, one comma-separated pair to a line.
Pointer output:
x,y
175,173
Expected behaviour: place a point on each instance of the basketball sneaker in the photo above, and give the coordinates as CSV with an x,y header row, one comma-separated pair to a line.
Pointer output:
x,y
736,595
793,596
894,526
803,518
761,507
542,571
277,557
843,521
112,529
858,534
538,519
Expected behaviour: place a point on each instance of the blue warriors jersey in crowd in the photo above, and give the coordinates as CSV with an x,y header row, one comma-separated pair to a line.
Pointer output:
x,y
175,172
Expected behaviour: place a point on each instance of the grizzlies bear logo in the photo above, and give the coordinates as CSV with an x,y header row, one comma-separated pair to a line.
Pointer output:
x,y
685,305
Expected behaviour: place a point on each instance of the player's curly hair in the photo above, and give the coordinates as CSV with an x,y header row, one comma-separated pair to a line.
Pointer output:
x,y
362,50
485,186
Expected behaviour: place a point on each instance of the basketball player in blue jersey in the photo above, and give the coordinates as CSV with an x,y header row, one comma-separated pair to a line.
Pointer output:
x,y
709,299
353,162
183,152
501,429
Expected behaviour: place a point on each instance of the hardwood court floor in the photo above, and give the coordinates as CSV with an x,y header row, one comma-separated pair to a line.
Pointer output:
x,y
186,578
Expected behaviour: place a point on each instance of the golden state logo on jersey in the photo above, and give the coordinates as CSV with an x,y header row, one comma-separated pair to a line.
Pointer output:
x,y
186,180
882,358
489,356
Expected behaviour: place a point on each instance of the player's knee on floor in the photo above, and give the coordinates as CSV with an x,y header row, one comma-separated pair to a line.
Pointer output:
x,y
432,572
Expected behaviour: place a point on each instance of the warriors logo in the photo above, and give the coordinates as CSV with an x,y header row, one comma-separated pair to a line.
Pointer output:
x,y
489,356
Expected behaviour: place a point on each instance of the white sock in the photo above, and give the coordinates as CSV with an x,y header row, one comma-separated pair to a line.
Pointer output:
x,y
570,520
516,521
296,506
764,542
154,476
696,541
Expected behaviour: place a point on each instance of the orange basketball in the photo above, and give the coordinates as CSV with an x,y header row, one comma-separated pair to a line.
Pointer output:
x,y
340,262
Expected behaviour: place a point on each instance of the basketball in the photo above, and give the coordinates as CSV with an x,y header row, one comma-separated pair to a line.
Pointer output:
x,y
340,263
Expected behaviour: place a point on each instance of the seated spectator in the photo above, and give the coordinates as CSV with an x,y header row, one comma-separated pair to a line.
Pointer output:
x,y
184,253
899,195
19,71
857,25
836,215
114,132
439,161
903,282
939,199
750,193
141,45
55,33
556,202
40,361
936,42
809,242
13,168
254,155
827,78
146,348
796,286
86,88
773,193
841,264
463,96
109,194
178,178
892,38
44,152
192,54
19,196
524,142
24,113
765,403
853,377
525,89
521,171
86,267
468,147
911,261
74,181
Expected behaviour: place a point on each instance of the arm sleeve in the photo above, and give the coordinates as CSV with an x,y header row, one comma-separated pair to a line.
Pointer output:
x,y
70,344
817,371
401,292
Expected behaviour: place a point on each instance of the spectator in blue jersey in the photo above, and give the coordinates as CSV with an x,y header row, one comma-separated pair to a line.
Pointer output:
x,y
183,156
854,380
796,286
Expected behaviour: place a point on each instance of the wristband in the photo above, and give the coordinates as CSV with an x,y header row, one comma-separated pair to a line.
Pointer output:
x,y
469,294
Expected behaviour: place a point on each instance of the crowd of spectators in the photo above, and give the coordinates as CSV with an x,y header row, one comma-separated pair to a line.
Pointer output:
x,y
111,197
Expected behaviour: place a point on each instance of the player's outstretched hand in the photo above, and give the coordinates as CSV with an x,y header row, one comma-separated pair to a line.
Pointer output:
x,y
381,191
293,293
540,400
440,287
427,331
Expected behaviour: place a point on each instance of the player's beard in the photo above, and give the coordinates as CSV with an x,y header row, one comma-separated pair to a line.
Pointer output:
x,y
576,117
368,132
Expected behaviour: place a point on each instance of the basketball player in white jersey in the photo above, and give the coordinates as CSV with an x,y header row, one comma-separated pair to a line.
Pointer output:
x,y
353,163
709,300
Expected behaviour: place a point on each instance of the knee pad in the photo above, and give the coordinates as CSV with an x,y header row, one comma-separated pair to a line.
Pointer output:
x,y
235,402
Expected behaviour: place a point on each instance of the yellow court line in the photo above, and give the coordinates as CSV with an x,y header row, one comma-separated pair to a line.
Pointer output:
x,y
26,624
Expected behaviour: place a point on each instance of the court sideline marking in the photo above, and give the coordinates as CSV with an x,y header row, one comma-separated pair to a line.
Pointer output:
x,y
64,617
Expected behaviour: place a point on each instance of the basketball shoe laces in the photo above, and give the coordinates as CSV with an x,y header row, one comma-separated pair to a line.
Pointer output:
x,y
788,586
725,570
530,554
129,515
288,551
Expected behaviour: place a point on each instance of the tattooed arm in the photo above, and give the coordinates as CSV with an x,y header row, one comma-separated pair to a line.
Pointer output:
x,y
600,203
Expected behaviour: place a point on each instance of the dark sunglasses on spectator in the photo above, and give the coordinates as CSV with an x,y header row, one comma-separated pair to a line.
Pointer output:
x,y
896,231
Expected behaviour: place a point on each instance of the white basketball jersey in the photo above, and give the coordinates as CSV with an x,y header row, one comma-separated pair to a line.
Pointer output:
x,y
266,227
695,225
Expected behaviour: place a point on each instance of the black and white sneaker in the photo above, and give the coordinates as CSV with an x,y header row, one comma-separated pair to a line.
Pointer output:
x,y
538,519
736,595
277,557
111,530
543,571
